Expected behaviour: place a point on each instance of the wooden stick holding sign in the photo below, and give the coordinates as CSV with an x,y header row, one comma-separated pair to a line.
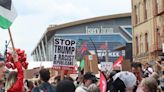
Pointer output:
x,y
11,39
15,57
62,75
90,57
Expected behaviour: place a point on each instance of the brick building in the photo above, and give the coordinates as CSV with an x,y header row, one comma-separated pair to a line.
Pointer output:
x,y
148,29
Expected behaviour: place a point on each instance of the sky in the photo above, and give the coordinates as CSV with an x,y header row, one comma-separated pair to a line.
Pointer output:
x,y
34,17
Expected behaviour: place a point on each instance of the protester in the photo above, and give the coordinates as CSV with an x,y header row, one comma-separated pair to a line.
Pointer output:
x,y
110,80
123,82
14,81
147,70
93,88
57,80
36,84
136,68
2,69
30,86
88,79
69,78
148,84
65,86
79,80
2,86
155,76
45,86
2,75
162,82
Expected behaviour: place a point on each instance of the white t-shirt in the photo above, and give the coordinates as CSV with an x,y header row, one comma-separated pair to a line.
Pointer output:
x,y
81,89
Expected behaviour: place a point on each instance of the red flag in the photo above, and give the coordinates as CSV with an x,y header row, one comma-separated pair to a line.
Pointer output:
x,y
118,61
83,47
103,84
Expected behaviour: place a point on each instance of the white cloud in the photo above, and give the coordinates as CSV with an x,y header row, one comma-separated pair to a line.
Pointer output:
x,y
34,16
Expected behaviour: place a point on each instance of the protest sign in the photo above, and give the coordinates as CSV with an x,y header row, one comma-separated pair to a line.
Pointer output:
x,y
106,66
64,53
91,64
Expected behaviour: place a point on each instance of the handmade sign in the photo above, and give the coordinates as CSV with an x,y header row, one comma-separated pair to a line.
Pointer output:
x,y
64,53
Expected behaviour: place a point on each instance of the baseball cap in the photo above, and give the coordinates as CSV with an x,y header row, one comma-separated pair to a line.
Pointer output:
x,y
90,76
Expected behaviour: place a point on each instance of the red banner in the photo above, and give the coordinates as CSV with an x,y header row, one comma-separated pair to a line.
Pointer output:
x,y
103,84
68,69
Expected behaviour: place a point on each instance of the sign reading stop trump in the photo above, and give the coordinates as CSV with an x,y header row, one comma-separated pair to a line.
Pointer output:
x,y
64,53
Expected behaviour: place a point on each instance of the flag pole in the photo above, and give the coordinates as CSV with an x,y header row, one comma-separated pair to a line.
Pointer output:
x,y
106,57
11,39
95,49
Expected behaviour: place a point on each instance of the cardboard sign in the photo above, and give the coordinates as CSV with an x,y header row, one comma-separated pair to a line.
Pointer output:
x,y
106,66
91,65
64,53
126,65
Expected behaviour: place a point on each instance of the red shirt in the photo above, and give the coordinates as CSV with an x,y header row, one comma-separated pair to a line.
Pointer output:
x,y
18,86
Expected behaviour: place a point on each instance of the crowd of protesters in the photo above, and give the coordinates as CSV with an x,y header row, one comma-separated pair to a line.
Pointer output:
x,y
138,79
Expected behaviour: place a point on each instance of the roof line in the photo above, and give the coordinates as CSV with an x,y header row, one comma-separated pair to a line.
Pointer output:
x,y
54,27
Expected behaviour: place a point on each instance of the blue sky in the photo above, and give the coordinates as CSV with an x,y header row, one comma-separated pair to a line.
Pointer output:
x,y
34,16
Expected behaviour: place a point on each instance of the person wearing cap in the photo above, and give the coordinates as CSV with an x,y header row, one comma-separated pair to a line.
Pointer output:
x,y
88,79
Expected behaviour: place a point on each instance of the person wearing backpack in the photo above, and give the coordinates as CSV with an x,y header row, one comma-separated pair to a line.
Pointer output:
x,y
45,86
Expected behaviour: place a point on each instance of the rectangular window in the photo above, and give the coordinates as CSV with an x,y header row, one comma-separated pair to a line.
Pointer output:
x,y
135,14
137,45
145,9
158,40
146,42
159,6
141,43
138,12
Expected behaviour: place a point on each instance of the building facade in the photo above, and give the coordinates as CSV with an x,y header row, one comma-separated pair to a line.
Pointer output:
x,y
115,30
148,29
